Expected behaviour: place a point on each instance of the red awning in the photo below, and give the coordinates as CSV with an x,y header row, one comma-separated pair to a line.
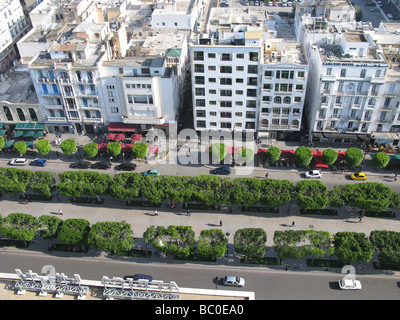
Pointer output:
x,y
136,137
317,153
153,149
117,126
119,136
111,136
287,153
341,155
102,146
319,163
127,147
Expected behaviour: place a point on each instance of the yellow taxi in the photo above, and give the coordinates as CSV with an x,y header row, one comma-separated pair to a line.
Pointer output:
x,y
358,176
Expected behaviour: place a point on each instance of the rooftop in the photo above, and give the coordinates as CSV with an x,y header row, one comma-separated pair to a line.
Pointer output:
x,y
17,87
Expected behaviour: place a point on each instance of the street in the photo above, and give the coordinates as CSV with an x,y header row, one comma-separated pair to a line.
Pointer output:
x,y
267,284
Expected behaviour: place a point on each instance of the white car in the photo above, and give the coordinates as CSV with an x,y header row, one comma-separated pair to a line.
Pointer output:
x,y
19,162
313,174
349,284
233,281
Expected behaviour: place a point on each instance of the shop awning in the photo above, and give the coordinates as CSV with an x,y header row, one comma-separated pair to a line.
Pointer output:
x,y
18,133
136,137
1,125
9,144
3,132
117,126
29,134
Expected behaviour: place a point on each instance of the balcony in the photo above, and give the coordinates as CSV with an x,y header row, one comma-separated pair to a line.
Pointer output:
x,y
45,80
93,120
56,119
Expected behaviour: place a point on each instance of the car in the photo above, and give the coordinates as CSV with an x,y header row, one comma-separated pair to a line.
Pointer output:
x,y
233,281
151,172
389,16
81,165
379,3
101,165
39,163
224,4
256,3
313,174
222,170
246,3
270,3
290,4
137,277
358,176
126,167
374,9
371,4
348,284
18,162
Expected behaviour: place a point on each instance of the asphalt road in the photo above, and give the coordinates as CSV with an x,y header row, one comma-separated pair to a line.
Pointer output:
x,y
267,285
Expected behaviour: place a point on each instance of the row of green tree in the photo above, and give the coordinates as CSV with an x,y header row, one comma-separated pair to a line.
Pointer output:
x,y
204,189
68,147
180,242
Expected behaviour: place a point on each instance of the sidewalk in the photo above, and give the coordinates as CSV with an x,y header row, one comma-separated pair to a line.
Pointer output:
x,y
142,218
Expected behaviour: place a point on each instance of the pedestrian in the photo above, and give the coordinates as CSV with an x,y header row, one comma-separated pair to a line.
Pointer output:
x,y
360,218
220,223
286,267
60,212
155,212
395,177
293,224
26,201
266,175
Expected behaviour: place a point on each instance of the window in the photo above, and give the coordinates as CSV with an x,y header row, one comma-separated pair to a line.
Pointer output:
x,y
225,104
253,56
250,114
239,92
363,73
199,80
239,56
343,72
299,87
200,123
226,125
225,93
201,113
328,71
225,81
225,69
277,99
121,70
212,80
239,80
200,92
198,55
21,114
211,55
114,110
199,68
268,73
145,71
251,104
252,81
297,99
213,113
32,113
226,115
226,57
252,92
287,100
239,68
301,74
200,102
252,69
210,68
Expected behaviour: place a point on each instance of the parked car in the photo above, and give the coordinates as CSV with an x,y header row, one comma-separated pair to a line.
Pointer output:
x,y
101,165
349,284
379,3
246,3
137,277
126,167
80,165
19,162
358,176
389,16
316,174
39,163
151,172
374,9
233,281
222,170
290,4
270,3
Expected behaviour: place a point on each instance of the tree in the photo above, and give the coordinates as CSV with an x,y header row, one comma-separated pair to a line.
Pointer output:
x,y
43,146
359,13
74,232
276,193
42,182
126,186
212,243
91,149
354,157
353,247
139,150
329,156
114,148
149,235
273,154
49,226
68,146
19,226
380,160
311,194
20,147
387,246
2,143
303,156
245,155
114,236
250,242
218,152
175,240
14,180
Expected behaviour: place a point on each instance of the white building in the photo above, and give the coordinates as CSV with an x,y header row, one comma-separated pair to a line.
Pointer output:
x,y
12,27
245,80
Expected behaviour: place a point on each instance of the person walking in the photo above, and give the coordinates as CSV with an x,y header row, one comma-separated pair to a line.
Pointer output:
x,y
26,201
220,223
293,224
266,175
60,212
360,218
188,213
395,177
155,212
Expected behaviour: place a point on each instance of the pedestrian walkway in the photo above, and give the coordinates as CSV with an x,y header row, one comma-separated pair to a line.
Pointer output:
x,y
142,218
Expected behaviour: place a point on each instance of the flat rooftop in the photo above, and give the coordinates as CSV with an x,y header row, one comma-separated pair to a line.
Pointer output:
x,y
18,88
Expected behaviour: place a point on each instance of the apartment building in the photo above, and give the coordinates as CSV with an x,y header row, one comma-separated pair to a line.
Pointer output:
x,y
12,27
243,79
